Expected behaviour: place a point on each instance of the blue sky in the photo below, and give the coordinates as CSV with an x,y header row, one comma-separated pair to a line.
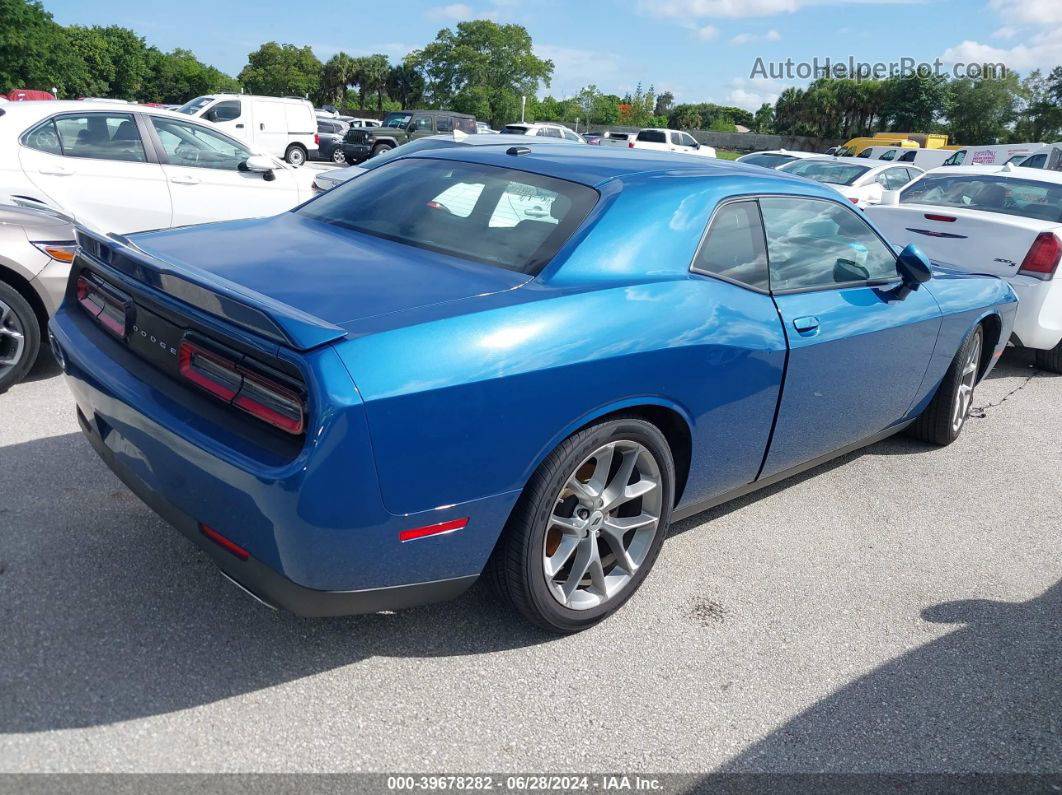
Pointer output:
x,y
700,50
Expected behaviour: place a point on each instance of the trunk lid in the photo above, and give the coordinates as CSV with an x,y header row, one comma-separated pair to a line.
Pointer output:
x,y
974,240
309,279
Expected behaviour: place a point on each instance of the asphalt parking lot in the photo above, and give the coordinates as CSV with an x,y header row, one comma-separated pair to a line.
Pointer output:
x,y
898,610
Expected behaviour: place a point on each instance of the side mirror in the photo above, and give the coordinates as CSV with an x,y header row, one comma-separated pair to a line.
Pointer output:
x,y
890,198
914,269
258,163
211,115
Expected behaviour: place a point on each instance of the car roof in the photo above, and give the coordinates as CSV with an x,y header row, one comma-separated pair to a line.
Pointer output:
x,y
593,166
869,162
1013,172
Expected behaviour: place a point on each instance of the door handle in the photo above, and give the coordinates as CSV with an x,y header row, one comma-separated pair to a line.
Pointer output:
x,y
184,179
239,126
57,171
261,126
806,324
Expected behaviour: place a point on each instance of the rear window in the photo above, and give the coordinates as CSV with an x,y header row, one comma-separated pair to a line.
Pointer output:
x,y
514,129
1022,197
467,126
499,216
652,136
827,171
767,161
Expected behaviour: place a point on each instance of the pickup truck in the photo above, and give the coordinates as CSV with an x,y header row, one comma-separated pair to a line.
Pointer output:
x,y
399,127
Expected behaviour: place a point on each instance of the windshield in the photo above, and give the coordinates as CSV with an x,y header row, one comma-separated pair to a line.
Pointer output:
x,y
506,218
988,193
399,120
419,145
193,106
826,171
766,160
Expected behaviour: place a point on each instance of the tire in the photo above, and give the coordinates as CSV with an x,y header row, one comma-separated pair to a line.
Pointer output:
x,y
20,337
533,542
1050,360
943,419
379,149
338,156
295,155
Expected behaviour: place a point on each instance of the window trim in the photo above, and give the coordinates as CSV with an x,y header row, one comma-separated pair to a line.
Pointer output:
x,y
704,237
150,155
792,290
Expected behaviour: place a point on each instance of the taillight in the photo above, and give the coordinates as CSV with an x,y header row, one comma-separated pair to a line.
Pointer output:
x,y
316,139
853,199
246,389
947,219
106,306
630,144
1043,257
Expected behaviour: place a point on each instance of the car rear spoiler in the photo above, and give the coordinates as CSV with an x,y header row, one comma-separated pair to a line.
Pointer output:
x,y
210,293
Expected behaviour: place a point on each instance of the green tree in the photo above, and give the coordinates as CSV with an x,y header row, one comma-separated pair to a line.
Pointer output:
x,y
371,76
482,65
664,103
337,74
179,76
282,70
915,102
405,85
763,122
1040,113
33,52
979,111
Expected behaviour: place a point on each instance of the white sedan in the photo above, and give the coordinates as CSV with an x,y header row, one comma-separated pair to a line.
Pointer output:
x,y
858,179
992,219
126,168
774,158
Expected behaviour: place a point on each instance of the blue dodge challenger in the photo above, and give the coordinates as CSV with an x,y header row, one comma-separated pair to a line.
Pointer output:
x,y
521,362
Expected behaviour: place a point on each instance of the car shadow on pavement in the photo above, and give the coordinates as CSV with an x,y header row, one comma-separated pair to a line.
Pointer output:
x,y
44,368
984,698
108,614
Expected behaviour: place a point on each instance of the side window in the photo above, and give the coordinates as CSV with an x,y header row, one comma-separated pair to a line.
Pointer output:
x,y
889,154
676,139
908,156
816,244
688,140
44,138
444,124
893,178
324,127
956,159
652,136
1036,161
229,110
188,144
734,247
570,136
101,136
422,124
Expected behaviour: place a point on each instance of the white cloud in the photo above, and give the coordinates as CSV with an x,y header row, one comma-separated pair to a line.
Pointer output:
x,y
751,94
708,33
1005,32
1036,12
462,12
754,38
1041,51
737,9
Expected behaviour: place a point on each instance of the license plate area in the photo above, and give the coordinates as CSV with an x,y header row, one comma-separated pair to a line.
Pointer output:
x,y
155,340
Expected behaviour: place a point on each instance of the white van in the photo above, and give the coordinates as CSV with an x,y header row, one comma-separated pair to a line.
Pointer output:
x,y
282,126
991,155
884,152
924,158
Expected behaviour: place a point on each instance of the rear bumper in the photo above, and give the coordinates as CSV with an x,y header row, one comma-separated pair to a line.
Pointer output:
x,y
1038,323
262,582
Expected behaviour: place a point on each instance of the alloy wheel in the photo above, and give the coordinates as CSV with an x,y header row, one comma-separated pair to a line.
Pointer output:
x,y
603,524
967,382
12,338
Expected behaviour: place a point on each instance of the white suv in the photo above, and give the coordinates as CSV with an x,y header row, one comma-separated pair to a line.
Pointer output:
x,y
669,141
544,130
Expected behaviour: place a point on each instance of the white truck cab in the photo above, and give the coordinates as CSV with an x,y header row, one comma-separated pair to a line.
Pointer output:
x,y
663,140
282,126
